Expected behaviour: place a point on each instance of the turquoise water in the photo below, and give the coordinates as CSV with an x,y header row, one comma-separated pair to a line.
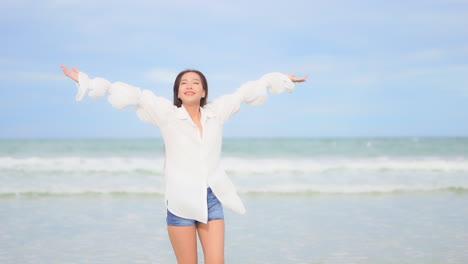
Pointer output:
x,y
62,167
277,147
366,200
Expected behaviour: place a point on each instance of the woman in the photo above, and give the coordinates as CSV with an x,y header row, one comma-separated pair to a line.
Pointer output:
x,y
196,186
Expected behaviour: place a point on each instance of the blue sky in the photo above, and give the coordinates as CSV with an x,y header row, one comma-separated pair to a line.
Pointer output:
x,y
377,68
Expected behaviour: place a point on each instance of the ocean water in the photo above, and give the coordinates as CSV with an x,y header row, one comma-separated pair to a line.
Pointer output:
x,y
336,200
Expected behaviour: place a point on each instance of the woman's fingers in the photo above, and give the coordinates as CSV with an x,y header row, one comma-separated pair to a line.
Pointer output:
x,y
303,79
71,74
294,79
65,70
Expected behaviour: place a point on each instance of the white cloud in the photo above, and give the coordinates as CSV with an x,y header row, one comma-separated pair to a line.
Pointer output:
x,y
227,77
379,68
66,2
430,54
363,80
435,54
327,109
407,74
32,76
161,75
463,68
12,3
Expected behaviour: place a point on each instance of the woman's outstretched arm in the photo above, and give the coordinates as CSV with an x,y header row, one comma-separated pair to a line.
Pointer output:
x,y
150,108
255,93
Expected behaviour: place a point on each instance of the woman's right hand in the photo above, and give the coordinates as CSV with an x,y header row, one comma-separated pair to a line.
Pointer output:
x,y
71,74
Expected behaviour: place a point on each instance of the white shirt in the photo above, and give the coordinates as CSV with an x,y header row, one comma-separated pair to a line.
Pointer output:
x,y
192,160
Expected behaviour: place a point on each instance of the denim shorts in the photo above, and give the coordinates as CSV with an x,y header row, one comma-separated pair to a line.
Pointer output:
x,y
215,212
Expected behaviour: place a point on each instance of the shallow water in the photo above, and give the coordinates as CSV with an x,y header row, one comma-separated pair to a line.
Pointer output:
x,y
389,228
369,200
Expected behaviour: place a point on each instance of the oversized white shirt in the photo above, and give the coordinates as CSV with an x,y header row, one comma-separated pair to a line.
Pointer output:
x,y
192,160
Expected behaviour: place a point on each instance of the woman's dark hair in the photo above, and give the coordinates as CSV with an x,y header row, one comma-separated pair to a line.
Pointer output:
x,y
177,101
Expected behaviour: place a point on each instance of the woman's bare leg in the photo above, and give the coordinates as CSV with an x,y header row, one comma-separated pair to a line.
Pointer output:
x,y
212,240
184,243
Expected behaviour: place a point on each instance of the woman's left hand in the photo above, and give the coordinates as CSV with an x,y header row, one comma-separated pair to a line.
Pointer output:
x,y
294,79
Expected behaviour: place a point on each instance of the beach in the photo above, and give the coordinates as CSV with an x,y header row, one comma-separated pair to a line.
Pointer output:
x,y
367,200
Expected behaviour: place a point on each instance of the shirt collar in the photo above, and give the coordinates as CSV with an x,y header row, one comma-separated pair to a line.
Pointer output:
x,y
183,114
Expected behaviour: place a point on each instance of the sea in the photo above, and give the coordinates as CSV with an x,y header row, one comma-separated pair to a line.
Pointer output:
x,y
308,200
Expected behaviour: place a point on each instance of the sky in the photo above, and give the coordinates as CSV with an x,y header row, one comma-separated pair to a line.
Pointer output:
x,y
376,68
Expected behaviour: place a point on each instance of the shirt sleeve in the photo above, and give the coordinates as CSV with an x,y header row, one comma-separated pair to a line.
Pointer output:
x,y
150,108
252,93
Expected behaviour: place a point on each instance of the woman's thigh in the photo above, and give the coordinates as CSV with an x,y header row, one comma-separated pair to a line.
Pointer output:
x,y
184,243
212,240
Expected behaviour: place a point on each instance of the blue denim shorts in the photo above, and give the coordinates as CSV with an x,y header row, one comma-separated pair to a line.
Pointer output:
x,y
215,212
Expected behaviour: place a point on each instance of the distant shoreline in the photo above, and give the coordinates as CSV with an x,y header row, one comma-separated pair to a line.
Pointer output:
x,y
249,138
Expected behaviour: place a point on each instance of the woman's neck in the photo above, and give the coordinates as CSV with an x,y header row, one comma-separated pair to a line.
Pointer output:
x,y
194,111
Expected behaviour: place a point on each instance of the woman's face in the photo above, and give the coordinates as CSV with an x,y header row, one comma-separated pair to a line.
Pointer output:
x,y
191,89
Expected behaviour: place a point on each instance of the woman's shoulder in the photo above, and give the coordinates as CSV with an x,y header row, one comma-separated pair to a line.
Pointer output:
x,y
209,109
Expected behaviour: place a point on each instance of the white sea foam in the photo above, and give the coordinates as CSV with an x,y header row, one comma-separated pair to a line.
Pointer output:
x,y
292,189
350,188
119,175
67,164
321,164
112,164
81,190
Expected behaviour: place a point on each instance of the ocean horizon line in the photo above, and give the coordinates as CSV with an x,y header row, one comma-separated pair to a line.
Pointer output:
x,y
242,137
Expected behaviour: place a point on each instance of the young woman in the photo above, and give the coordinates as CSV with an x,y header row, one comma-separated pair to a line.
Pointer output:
x,y
196,186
